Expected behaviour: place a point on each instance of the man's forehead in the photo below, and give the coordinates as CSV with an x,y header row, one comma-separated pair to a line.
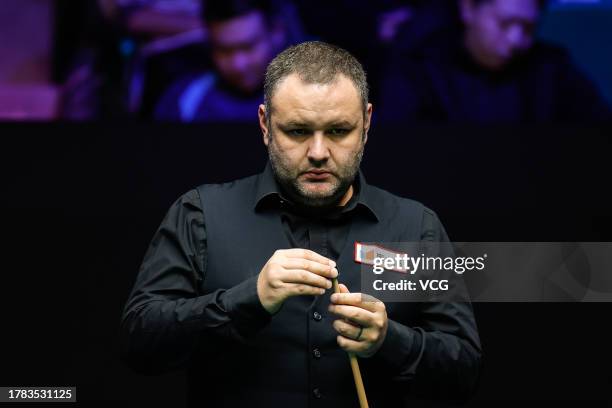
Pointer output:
x,y
238,30
318,121
296,99
296,116
523,9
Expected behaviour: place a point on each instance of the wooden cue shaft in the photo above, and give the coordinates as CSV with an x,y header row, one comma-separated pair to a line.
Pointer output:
x,y
363,401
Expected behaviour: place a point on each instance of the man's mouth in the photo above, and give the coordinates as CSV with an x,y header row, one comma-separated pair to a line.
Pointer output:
x,y
317,175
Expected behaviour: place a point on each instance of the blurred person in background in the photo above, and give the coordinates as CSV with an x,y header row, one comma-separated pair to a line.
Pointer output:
x,y
494,71
244,36
157,18
371,30
115,56
87,60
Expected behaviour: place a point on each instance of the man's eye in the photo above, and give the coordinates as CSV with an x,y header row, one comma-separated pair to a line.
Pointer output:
x,y
338,131
297,132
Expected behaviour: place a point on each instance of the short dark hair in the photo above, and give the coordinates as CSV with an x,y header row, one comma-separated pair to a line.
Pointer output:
x,y
223,10
315,62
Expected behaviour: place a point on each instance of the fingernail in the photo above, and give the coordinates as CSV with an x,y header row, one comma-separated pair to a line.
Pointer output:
x,y
335,273
334,297
332,263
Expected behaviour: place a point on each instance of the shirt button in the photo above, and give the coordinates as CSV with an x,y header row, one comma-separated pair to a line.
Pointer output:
x,y
317,316
316,392
316,352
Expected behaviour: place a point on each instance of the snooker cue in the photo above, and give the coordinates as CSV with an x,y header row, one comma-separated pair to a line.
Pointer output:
x,y
363,401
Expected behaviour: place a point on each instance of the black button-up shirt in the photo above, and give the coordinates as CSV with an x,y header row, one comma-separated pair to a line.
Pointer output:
x,y
166,294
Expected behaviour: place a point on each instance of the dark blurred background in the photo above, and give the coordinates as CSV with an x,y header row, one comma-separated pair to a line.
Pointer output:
x,y
495,113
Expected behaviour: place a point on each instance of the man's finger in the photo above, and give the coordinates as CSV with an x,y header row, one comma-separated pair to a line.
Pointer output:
x,y
299,289
355,299
305,277
353,313
308,254
315,267
347,329
352,346
343,288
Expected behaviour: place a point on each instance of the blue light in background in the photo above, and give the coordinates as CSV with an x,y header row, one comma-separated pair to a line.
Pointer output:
x,y
558,4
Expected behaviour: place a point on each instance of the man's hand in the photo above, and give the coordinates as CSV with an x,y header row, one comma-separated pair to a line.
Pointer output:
x,y
364,324
293,272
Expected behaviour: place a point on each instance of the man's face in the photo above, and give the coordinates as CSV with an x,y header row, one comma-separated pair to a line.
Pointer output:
x,y
242,48
315,138
498,30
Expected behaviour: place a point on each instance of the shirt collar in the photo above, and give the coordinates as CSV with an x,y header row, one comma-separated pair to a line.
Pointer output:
x,y
268,192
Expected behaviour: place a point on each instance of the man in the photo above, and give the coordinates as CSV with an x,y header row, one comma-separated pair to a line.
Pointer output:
x,y
155,18
244,36
236,284
494,71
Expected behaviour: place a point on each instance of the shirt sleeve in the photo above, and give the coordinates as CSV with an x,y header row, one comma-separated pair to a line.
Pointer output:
x,y
167,319
440,356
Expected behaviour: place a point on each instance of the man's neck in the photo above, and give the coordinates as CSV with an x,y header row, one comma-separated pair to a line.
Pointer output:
x,y
347,196
327,210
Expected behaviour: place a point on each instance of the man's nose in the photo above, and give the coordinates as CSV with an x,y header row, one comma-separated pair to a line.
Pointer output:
x,y
318,149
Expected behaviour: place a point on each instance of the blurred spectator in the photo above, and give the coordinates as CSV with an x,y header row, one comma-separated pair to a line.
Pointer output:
x,y
157,18
244,35
423,19
371,29
494,71
112,56
87,60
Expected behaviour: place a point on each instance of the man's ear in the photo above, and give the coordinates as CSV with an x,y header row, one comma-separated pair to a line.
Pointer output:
x,y
263,124
367,122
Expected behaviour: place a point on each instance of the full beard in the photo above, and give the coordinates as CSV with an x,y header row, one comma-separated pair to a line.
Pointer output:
x,y
288,178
